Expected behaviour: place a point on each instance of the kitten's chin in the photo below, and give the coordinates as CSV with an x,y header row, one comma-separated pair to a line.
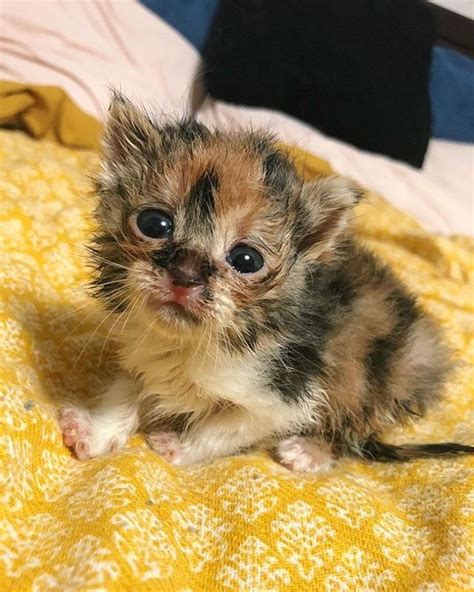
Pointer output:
x,y
174,313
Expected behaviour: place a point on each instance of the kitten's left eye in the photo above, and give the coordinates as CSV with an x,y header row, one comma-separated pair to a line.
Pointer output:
x,y
245,259
154,224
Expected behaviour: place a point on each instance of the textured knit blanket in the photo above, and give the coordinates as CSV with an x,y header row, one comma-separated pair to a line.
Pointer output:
x,y
130,521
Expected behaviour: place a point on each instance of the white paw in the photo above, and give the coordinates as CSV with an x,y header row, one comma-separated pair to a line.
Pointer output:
x,y
168,445
300,454
82,436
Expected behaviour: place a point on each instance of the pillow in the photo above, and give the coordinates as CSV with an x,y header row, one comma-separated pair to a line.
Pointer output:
x,y
357,70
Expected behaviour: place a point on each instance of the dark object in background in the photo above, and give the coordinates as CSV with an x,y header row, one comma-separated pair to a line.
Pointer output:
x,y
452,66
357,70
453,30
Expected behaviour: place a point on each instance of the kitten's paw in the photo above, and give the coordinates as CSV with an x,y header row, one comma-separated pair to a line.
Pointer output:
x,y
300,454
168,445
82,438
76,427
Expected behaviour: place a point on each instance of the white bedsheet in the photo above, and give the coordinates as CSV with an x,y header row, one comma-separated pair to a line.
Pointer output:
x,y
87,46
440,196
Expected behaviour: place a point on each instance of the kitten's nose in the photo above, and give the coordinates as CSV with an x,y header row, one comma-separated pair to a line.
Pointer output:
x,y
186,277
188,269
185,286
188,273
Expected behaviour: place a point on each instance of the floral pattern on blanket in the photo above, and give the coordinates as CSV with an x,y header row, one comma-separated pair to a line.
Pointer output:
x,y
130,521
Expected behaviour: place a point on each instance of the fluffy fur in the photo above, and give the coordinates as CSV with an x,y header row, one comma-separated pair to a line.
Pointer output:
x,y
314,354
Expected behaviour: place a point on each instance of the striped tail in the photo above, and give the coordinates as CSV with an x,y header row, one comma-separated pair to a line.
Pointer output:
x,y
374,450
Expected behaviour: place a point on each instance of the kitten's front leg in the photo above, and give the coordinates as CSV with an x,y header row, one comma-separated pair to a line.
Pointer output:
x,y
222,434
104,428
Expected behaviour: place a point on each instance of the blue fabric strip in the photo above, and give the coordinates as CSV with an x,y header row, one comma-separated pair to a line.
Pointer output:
x,y
192,18
452,95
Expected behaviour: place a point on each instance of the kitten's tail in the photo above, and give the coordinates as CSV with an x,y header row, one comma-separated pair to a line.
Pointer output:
x,y
374,450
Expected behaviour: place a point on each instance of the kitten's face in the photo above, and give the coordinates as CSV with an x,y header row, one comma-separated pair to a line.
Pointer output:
x,y
207,230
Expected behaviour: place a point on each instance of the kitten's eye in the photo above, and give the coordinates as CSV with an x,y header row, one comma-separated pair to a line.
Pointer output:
x,y
154,224
244,259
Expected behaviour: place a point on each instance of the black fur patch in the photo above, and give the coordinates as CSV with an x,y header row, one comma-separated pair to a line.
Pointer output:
x,y
191,131
406,307
163,257
329,295
342,288
382,349
296,365
201,203
378,358
278,172
185,132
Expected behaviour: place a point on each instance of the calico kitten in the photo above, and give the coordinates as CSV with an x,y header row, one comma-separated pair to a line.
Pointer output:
x,y
248,314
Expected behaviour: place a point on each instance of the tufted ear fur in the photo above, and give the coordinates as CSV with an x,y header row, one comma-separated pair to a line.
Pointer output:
x,y
130,134
324,211
131,143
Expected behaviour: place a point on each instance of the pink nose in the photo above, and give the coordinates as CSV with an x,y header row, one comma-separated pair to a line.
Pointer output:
x,y
185,295
184,290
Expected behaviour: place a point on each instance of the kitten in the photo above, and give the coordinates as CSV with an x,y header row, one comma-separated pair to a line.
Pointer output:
x,y
249,314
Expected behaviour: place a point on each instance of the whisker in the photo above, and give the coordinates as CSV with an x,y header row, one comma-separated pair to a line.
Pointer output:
x,y
104,260
71,313
87,317
143,339
93,334
108,335
130,310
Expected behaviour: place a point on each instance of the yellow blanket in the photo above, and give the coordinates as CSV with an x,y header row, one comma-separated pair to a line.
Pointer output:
x,y
132,522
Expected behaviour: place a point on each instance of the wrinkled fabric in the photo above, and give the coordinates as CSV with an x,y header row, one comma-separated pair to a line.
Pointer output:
x,y
47,112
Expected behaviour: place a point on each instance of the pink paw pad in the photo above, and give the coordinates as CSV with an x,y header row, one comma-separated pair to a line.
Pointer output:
x,y
298,454
168,445
77,430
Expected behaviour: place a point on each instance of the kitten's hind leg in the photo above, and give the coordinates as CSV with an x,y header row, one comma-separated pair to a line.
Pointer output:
x,y
305,455
104,428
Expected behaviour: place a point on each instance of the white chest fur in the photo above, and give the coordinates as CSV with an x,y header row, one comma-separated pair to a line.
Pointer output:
x,y
226,395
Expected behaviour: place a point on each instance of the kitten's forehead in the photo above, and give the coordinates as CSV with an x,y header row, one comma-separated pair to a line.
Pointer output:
x,y
214,185
224,180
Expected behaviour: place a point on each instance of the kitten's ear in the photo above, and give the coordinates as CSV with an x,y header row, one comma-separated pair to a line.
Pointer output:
x,y
324,211
130,134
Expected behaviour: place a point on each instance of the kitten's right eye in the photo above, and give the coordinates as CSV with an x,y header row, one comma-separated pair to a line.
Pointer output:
x,y
245,259
154,224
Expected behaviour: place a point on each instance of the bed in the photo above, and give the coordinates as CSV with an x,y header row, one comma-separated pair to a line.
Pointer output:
x,y
130,521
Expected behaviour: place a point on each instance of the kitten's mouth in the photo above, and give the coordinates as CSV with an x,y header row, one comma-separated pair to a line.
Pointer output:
x,y
178,301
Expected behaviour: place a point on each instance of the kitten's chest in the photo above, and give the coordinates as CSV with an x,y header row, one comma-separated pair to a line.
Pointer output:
x,y
192,381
